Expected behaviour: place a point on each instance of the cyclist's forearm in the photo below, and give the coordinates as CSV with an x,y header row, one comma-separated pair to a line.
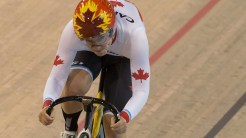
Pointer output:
x,y
135,105
53,89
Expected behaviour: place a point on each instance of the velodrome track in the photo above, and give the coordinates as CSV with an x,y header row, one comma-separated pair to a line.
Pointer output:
x,y
197,78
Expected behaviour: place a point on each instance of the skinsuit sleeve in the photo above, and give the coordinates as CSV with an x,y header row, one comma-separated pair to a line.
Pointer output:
x,y
140,73
67,49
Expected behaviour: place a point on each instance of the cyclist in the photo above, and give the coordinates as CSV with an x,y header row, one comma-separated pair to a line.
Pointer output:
x,y
108,34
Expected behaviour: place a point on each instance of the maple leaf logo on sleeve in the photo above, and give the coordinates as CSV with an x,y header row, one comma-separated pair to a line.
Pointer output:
x,y
116,3
58,61
140,75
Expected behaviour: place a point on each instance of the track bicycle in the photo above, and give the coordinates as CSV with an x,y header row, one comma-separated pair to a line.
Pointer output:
x,y
93,125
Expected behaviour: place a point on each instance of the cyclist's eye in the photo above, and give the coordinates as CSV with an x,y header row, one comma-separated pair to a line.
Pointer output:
x,y
89,42
99,40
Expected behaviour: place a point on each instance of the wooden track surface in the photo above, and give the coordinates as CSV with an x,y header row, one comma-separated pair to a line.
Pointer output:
x,y
197,86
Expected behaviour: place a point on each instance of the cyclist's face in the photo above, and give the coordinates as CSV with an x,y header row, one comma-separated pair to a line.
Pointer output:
x,y
100,44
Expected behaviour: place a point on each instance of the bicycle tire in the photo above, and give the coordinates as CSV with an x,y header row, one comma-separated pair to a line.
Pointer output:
x,y
84,135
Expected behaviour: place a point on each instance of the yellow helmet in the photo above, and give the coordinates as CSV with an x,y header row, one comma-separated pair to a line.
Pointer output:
x,y
93,18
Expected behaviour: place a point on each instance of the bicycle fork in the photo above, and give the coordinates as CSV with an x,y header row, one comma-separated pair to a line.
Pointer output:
x,y
88,107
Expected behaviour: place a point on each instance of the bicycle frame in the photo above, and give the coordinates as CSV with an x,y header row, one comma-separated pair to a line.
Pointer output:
x,y
92,109
97,117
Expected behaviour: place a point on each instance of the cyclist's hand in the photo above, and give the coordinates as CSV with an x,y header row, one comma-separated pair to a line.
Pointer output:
x,y
44,118
119,127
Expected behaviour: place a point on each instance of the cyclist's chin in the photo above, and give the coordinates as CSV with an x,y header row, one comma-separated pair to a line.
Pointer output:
x,y
101,53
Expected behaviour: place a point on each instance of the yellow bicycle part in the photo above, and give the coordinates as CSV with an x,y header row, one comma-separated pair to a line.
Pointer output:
x,y
97,117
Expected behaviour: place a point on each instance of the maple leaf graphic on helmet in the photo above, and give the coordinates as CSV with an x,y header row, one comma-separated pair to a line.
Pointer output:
x,y
91,24
140,75
58,61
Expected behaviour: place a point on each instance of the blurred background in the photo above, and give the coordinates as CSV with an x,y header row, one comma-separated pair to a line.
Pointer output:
x,y
197,78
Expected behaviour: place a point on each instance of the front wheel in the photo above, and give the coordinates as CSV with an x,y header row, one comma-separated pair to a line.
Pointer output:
x,y
84,134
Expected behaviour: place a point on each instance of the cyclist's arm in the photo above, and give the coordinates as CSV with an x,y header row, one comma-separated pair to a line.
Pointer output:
x,y
140,69
68,46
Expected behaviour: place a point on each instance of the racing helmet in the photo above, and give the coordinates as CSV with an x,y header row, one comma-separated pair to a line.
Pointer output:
x,y
93,18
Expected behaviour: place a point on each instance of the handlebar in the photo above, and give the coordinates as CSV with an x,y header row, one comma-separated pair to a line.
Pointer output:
x,y
83,99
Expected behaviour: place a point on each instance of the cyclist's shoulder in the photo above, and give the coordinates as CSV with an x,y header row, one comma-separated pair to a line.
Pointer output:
x,y
125,4
69,27
69,40
127,13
